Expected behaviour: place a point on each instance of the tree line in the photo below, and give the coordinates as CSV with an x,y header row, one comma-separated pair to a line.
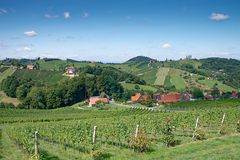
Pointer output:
x,y
37,95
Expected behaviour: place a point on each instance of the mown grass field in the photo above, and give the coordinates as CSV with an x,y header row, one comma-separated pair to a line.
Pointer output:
x,y
6,73
59,64
161,75
44,76
4,98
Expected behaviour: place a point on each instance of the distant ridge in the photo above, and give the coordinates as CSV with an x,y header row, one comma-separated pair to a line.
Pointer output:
x,y
140,59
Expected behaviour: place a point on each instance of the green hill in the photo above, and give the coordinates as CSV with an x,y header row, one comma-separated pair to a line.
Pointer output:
x,y
174,74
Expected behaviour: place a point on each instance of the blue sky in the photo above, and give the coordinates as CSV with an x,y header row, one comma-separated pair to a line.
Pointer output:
x,y
114,31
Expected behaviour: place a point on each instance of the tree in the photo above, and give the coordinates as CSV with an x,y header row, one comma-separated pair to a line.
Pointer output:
x,y
23,90
54,98
35,98
197,93
9,86
215,91
137,87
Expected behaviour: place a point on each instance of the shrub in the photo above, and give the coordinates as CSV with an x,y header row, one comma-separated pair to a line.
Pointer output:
x,y
99,104
140,143
223,130
168,135
199,134
97,154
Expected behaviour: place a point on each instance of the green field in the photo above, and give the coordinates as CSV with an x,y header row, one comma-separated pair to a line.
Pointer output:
x,y
60,65
6,73
44,76
220,86
161,75
130,86
178,82
4,98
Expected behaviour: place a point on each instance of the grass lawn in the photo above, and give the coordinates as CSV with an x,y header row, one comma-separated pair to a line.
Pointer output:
x,y
130,86
223,148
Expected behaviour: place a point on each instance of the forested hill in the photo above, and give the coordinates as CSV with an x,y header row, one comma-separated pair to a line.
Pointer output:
x,y
208,71
139,59
226,70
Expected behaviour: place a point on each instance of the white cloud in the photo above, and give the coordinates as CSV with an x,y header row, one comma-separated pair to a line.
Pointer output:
x,y
66,15
219,16
85,14
51,16
166,46
30,33
3,11
24,49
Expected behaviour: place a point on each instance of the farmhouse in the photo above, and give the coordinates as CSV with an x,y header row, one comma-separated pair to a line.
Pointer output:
x,y
167,98
94,100
138,97
70,71
30,66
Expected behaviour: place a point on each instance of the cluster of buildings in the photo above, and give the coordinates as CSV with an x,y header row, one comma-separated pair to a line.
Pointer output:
x,y
161,98
173,97
71,71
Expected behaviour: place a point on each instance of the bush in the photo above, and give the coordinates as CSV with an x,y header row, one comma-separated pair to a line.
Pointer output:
x,y
140,143
168,135
98,153
99,104
199,134
223,130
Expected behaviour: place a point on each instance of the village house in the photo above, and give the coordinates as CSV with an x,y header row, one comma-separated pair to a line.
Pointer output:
x,y
30,66
167,98
70,71
93,100
139,97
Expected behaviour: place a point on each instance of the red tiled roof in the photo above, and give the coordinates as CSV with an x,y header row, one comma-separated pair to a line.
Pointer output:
x,y
136,97
93,100
169,98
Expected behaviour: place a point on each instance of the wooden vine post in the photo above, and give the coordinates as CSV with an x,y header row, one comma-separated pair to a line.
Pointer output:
x,y
223,118
94,134
36,145
196,125
136,131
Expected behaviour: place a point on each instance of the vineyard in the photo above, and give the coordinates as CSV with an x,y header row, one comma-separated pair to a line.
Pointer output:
x,y
128,130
